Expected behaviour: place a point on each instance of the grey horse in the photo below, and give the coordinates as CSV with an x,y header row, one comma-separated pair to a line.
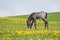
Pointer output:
x,y
36,15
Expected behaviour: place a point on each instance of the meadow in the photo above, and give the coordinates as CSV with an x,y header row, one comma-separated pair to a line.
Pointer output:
x,y
15,28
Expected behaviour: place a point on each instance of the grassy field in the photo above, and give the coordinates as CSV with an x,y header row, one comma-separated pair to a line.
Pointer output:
x,y
14,28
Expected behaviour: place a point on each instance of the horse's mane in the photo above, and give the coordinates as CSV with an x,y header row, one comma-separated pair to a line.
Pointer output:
x,y
29,18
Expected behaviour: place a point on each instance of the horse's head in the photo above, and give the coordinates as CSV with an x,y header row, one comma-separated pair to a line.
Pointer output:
x,y
28,23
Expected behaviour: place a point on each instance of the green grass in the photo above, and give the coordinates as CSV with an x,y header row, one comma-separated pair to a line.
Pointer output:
x,y
8,28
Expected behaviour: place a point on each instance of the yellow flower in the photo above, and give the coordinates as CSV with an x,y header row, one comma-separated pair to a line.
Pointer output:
x,y
50,39
31,39
42,32
8,38
45,39
45,31
56,33
19,32
3,38
38,38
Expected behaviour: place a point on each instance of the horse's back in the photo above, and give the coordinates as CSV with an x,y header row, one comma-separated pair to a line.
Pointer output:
x,y
41,14
37,15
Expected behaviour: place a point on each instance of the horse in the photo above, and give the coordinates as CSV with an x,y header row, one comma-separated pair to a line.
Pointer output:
x,y
37,15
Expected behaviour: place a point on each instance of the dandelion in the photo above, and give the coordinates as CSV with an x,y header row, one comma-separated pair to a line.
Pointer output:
x,y
50,39
42,32
19,32
45,31
8,38
45,39
31,39
3,38
38,38
29,32
55,33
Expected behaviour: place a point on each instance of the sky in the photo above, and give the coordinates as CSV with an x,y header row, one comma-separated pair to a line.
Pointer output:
x,y
23,7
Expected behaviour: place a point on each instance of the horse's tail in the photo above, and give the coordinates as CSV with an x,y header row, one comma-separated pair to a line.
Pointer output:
x,y
46,15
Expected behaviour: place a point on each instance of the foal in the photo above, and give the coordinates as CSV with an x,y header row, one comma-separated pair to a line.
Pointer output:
x,y
36,15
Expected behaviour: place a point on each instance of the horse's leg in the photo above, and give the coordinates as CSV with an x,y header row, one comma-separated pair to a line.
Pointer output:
x,y
46,23
34,23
